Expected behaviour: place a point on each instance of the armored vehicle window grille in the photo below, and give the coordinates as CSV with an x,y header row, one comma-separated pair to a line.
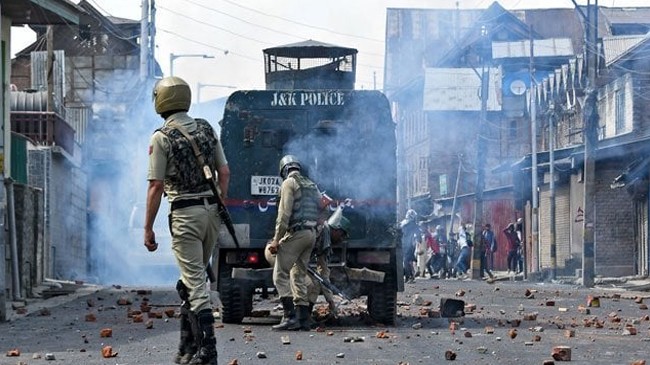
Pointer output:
x,y
343,64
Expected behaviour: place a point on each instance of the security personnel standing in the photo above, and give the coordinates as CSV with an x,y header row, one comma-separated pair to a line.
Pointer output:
x,y
295,234
193,219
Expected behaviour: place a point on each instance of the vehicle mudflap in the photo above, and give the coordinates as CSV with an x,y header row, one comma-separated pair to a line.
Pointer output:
x,y
252,274
364,274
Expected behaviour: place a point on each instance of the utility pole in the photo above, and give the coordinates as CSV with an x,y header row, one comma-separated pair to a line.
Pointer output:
x,y
144,41
551,174
533,179
590,114
450,229
152,40
481,152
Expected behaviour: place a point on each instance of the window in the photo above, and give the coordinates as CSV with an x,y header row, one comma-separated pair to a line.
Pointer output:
x,y
619,116
615,105
443,184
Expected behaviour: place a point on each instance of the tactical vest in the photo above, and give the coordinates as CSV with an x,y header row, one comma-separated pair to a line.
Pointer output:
x,y
305,202
189,178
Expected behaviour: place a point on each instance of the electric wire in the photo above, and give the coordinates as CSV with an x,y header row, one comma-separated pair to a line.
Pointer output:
x,y
262,26
239,35
300,23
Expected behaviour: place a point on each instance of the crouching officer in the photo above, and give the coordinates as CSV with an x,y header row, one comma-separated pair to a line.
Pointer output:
x,y
295,234
193,219
331,233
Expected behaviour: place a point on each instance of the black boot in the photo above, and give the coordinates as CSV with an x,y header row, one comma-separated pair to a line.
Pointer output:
x,y
310,317
289,321
188,344
304,318
207,354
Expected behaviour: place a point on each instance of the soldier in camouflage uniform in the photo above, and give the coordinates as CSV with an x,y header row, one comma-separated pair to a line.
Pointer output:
x,y
193,219
295,234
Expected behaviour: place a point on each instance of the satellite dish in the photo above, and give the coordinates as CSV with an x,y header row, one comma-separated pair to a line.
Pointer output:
x,y
517,87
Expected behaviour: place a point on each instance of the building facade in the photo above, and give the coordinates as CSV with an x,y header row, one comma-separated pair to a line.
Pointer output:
x,y
454,144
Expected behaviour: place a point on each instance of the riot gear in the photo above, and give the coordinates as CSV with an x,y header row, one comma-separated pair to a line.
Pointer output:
x,y
287,162
190,179
171,93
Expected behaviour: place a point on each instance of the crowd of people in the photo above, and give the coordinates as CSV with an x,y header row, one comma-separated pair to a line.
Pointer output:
x,y
427,249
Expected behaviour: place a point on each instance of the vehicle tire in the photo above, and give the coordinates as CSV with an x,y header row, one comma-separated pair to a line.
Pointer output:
x,y
236,300
382,302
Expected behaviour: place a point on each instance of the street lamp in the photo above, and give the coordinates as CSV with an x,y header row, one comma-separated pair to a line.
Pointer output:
x,y
199,85
172,57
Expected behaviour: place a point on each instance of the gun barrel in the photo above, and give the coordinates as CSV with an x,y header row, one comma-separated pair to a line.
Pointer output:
x,y
327,283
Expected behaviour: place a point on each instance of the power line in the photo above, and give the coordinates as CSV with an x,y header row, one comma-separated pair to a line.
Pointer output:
x,y
275,30
243,20
302,24
209,45
213,26
243,36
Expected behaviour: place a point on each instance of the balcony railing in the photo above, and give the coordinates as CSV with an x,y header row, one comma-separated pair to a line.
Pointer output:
x,y
45,128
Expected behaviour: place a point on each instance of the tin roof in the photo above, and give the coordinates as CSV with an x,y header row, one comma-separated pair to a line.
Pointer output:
x,y
615,47
23,12
310,49
552,47
626,15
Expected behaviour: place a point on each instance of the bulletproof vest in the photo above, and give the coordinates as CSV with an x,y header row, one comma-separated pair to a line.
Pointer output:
x,y
305,202
189,178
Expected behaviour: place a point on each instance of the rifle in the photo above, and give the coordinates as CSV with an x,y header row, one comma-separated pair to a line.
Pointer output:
x,y
223,210
327,283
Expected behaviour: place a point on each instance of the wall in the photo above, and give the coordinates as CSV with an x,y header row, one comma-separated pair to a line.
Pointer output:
x,y
68,220
65,228
29,237
562,224
614,224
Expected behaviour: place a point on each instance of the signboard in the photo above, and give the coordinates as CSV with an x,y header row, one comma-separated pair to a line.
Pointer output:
x,y
265,185
459,89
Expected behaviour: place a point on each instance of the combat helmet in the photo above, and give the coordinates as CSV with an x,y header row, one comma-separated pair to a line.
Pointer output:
x,y
287,162
171,93
338,221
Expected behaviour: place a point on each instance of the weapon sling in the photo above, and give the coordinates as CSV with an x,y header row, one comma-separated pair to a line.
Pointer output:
x,y
209,176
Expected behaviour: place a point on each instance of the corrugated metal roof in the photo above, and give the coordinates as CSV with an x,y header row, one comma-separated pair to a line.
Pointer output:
x,y
551,47
616,46
310,49
627,15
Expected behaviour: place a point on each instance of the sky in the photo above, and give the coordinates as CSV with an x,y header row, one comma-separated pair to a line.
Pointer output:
x,y
235,32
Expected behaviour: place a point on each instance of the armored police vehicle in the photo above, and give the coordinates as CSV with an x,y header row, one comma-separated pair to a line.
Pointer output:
x,y
345,141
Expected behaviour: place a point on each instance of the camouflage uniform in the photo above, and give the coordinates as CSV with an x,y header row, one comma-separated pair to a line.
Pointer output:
x,y
194,228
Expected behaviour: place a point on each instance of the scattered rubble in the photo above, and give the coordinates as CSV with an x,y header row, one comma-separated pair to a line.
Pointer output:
x,y
107,352
561,353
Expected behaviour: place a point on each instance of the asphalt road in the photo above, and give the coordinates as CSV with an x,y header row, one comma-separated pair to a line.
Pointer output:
x,y
543,315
